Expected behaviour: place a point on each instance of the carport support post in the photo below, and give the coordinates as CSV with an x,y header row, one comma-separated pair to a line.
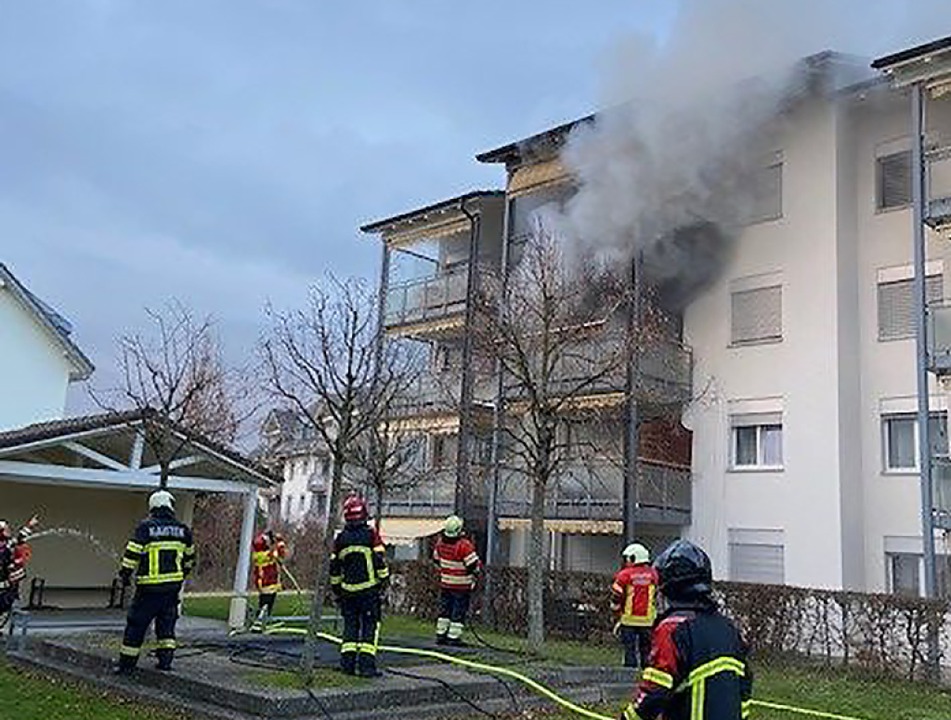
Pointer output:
x,y
239,603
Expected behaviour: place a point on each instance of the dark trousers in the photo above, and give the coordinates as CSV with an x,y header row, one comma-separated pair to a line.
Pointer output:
x,y
361,627
7,598
266,602
637,646
453,608
160,606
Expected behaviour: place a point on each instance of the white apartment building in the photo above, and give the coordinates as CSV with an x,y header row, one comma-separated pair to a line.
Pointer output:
x,y
803,466
805,450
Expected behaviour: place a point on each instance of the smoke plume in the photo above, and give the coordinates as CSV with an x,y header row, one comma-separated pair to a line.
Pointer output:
x,y
673,167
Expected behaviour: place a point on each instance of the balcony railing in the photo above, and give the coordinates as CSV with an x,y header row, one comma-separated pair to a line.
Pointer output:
x,y
429,298
665,372
594,492
939,338
941,491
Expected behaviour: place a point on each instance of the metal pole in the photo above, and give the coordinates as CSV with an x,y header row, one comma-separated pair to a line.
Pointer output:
x,y
464,494
492,530
631,420
921,337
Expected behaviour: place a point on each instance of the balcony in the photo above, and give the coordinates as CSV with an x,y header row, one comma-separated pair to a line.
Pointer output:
x,y
664,378
434,497
593,491
939,338
431,393
429,299
941,488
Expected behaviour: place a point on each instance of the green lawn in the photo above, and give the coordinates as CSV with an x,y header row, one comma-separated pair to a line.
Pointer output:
x,y
25,696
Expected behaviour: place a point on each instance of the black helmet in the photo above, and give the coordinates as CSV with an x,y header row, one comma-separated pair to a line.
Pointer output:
x,y
684,570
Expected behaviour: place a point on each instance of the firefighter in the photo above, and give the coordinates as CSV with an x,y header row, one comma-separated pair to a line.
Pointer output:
x,y
268,552
698,663
459,565
634,602
14,557
358,576
160,555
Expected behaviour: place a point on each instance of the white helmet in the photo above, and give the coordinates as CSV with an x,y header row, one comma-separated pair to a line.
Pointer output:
x,y
161,499
636,553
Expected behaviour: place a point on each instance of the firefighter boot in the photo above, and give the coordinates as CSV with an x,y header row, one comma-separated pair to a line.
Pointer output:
x,y
442,629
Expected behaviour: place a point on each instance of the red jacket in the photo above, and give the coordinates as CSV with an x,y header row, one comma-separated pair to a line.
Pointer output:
x,y
633,595
266,558
458,563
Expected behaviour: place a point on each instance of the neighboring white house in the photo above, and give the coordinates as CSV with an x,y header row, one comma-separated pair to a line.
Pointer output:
x,y
293,451
38,359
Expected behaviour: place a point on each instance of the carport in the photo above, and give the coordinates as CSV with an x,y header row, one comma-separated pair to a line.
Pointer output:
x,y
89,477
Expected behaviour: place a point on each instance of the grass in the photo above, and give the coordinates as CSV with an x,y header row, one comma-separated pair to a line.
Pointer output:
x,y
28,696
287,680
822,690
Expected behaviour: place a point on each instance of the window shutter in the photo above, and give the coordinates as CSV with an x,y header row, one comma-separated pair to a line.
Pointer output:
x,y
896,306
757,563
894,180
757,315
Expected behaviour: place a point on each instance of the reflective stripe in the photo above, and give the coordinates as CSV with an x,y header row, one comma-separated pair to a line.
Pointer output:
x,y
746,706
134,547
471,558
348,647
336,579
697,681
452,564
659,677
373,578
379,549
129,650
630,713
159,579
166,644
130,564
456,580
384,573
267,589
366,648
357,587
455,630
442,625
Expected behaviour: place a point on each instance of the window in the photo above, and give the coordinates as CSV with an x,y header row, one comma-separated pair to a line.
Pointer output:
x,y
757,441
767,200
896,306
893,178
438,451
757,316
904,571
900,437
757,556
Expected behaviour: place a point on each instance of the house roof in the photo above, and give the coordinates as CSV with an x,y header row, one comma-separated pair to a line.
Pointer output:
x,y
418,214
514,151
914,53
69,427
58,327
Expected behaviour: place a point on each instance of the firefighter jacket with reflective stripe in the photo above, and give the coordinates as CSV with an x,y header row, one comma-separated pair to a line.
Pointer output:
x,y
161,553
458,563
358,562
697,670
267,571
13,560
633,595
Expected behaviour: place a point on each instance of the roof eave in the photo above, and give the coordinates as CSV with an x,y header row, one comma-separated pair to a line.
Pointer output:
x,y
385,224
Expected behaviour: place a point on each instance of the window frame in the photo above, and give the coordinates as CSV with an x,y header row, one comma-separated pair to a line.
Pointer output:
x,y
880,207
762,340
885,418
755,219
909,281
760,465
890,558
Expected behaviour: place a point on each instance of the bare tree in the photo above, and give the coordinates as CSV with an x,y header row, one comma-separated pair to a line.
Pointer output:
x,y
556,331
324,361
175,378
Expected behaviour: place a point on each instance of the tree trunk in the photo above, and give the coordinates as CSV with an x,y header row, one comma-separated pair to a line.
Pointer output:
x,y
314,623
537,568
378,512
164,472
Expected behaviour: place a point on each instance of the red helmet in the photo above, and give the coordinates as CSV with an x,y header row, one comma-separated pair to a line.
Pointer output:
x,y
259,543
355,509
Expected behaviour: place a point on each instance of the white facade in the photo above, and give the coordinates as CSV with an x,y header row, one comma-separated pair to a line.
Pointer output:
x,y
815,503
37,361
306,488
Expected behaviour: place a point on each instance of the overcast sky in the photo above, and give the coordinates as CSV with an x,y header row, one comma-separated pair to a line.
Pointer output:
x,y
224,152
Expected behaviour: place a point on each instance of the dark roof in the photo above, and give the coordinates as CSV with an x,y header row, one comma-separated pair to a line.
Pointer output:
x,y
912,53
70,426
59,327
378,225
513,151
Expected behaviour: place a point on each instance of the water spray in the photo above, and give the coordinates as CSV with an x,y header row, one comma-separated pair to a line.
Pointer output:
x,y
88,537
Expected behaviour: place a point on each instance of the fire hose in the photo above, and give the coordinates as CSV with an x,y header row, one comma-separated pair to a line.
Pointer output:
x,y
524,679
